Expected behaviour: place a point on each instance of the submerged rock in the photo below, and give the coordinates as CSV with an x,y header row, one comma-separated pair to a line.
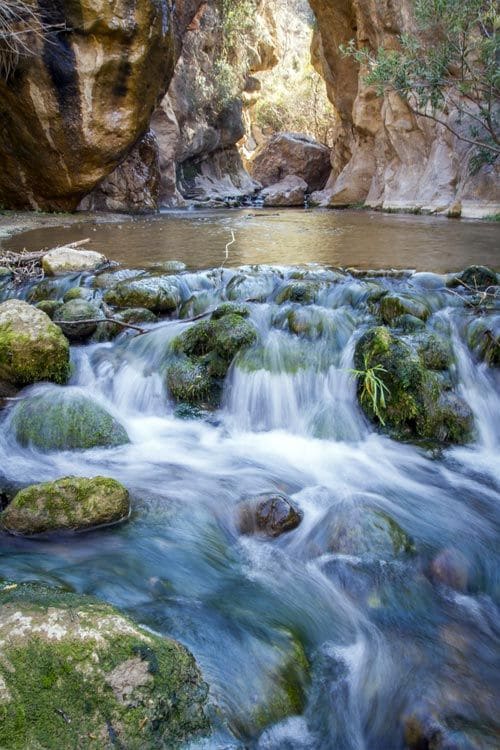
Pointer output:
x,y
416,405
250,288
160,294
68,504
69,315
68,259
75,672
451,568
271,515
58,420
32,348
392,306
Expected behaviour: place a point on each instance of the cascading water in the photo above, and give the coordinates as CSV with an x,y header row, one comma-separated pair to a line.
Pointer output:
x,y
384,638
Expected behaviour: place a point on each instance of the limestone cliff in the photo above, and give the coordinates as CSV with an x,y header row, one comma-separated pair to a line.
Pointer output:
x,y
383,154
72,111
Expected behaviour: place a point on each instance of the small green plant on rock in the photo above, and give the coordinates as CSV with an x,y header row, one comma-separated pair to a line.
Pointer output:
x,y
373,388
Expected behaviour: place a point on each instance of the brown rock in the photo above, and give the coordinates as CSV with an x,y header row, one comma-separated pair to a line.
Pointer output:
x,y
73,110
270,515
289,192
288,154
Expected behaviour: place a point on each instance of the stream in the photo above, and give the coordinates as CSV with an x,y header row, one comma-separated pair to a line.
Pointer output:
x,y
384,638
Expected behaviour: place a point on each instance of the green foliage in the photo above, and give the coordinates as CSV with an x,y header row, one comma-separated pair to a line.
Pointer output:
x,y
449,64
373,388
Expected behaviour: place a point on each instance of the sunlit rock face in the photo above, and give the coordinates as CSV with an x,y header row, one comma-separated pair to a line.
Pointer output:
x,y
72,111
384,155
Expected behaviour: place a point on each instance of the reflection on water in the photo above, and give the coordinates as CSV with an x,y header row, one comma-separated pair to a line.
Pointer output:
x,y
337,238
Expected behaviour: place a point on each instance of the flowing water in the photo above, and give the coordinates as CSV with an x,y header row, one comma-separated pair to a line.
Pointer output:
x,y
383,638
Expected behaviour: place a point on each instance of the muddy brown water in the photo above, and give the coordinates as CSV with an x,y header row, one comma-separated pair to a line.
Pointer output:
x,y
337,238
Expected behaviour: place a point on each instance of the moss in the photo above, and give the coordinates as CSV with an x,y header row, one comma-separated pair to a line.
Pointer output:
x,y
364,531
435,353
77,292
64,693
65,420
408,323
416,406
49,306
230,308
43,290
393,306
304,292
158,294
196,340
190,382
231,334
69,503
32,348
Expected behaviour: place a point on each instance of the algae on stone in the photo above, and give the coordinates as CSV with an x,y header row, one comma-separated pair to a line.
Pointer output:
x,y
65,420
70,503
79,674
32,348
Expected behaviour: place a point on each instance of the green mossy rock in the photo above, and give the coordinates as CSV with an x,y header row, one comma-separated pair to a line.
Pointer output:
x,y
190,382
69,504
78,292
76,673
392,306
32,348
408,323
305,321
365,532
416,406
476,278
68,316
436,353
304,292
483,337
134,315
231,334
65,420
45,289
158,294
230,308
197,340
49,306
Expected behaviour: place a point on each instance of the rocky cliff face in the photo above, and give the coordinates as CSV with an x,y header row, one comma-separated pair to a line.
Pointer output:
x,y
383,154
72,111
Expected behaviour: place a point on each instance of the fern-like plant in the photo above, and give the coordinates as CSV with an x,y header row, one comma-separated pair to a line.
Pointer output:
x,y
373,388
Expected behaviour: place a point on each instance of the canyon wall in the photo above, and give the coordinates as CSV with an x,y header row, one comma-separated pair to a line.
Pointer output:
x,y
384,155
74,108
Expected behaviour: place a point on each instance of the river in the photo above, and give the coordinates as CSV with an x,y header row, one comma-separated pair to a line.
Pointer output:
x,y
383,637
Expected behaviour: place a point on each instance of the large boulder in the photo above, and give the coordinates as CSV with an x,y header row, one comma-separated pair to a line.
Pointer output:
x,y
291,191
74,108
32,348
160,294
69,259
76,673
64,419
69,504
415,405
287,154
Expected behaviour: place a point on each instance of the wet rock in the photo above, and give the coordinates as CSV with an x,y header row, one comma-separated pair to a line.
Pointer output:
x,y
160,294
408,323
69,259
363,532
451,568
190,382
32,348
304,292
229,308
77,673
231,334
169,266
304,321
416,404
69,315
78,292
47,289
436,353
250,288
477,278
58,420
392,306
135,315
483,337
287,154
49,306
271,515
68,504
288,192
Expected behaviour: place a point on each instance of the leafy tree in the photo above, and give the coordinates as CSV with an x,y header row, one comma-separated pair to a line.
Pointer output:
x,y
450,63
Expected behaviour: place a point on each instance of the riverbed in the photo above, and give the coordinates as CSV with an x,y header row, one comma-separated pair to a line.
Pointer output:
x,y
386,638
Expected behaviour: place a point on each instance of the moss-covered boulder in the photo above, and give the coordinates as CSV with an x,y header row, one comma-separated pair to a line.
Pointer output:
x,y
304,292
160,294
476,278
59,420
77,319
205,352
45,289
76,673
435,352
392,306
416,405
68,504
49,306
32,348
78,292
230,308
364,531
483,338
269,514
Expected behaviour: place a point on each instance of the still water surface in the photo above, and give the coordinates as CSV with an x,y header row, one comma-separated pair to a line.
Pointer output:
x,y
337,238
